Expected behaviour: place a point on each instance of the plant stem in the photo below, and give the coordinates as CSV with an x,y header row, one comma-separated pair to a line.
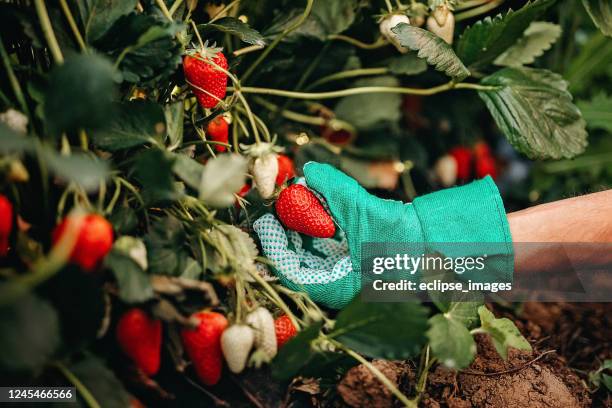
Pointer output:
x,y
90,400
380,42
348,74
248,49
13,79
274,295
175,7
389,6
478,10
278,39
223,10
365,90
164,9
45,25
469,4
249,115
377,373
72,24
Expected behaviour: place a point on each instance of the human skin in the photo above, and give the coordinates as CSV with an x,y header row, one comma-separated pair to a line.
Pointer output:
x,y
586,219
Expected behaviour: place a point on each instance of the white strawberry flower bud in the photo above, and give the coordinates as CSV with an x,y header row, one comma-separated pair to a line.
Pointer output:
x,y
387,23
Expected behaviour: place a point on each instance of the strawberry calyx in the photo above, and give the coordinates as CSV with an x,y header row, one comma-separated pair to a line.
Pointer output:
x,y
205,52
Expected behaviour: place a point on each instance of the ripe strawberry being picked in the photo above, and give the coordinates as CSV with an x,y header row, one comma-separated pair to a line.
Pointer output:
x,y
208,83
93,242
203,346
300,210
218,131
286,171
285,330
6,224
140,337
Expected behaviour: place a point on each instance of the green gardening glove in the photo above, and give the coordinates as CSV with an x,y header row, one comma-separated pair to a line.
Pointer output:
x,y
473,213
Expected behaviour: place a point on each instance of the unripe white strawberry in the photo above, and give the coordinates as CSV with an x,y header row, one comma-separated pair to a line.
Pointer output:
x,y
262,323
446,170
441,22
16,120
236,344
387,23
264,170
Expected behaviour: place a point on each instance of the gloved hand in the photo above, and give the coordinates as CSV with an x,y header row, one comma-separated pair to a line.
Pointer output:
x,y
473,213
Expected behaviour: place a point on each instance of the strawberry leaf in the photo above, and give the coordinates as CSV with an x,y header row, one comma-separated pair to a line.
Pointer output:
x,y
601,14
451,342
98,16
534,110
30,334
536,39
133,282
484,41
503,332
596,112
382,330
431,47
234,26
222,177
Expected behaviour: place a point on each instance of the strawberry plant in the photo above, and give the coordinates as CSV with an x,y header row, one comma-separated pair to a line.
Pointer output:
x,y
140,141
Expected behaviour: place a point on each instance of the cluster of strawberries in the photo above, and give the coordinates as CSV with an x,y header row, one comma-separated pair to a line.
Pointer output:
x,y
462,163
207,344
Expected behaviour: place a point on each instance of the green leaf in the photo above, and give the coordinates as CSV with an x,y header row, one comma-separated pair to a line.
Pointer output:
x,y
382,330
406,64
30,334
368,110
484,41
98,16
188,170
607,381
296,353
85,170
175,113
80,94
134,284
503,332
234,26
534,110
153,170
165,251
193,269
101,382
465,313
223,176
335,16
593,61
431,47
144,47
536,39
134,124
597,112
601,14
451,342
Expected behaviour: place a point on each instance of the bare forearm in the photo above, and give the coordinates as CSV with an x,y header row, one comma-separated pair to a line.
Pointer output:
x,y
585,219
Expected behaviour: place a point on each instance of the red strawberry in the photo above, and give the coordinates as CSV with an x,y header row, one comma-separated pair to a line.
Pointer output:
x,y
140,337
218,131
284,329
482,149
485,165
203,345
463,157
300,210
93,242
286,170
208,83
6,224
340,137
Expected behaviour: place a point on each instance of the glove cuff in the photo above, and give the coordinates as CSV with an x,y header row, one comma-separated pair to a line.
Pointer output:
x,y
472,214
